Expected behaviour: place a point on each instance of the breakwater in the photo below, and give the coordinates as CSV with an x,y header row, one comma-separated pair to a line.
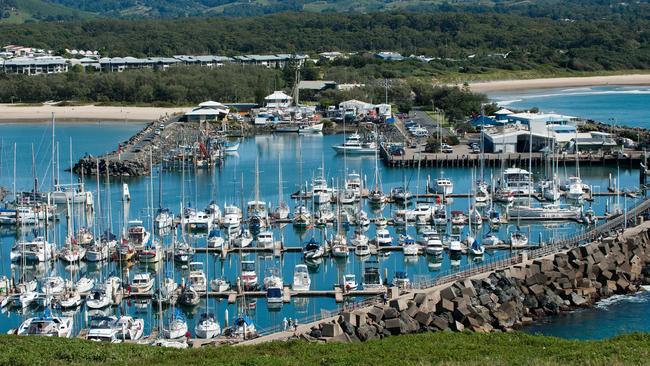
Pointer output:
x,y
506,298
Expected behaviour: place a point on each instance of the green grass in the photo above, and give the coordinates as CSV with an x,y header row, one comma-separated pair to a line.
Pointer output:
x,y
34,10
422,349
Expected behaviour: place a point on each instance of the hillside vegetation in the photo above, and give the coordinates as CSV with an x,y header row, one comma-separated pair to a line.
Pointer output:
x,y
422,349
26,11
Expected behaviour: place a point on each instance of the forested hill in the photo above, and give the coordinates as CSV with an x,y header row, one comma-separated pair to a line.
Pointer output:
x,y
608,44
34,10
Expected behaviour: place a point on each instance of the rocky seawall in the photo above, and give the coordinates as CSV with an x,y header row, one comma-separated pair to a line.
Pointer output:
x,y
506,299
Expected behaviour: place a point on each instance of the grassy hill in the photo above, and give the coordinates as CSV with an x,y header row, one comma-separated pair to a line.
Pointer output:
x,y
421,349
22,11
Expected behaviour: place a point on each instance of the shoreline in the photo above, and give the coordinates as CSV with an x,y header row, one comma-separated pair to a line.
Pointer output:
x,y
543,83
18,113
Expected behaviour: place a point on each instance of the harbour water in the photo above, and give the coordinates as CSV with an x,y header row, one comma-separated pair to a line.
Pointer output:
x,y
625,105
233,182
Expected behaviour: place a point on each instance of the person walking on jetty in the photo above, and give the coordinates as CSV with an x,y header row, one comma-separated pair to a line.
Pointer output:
x,y
285,323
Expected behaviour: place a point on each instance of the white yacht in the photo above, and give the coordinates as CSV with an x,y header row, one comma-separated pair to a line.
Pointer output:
x,y
197,220
71,193
547,212
518,239
518,181
249,276
354,145
36,251
142,283
432,242
320,192
138,236
47,325
350,282
441,186
197,279
339,246
302,216
575,192
265,239
301,279
164,218
383,238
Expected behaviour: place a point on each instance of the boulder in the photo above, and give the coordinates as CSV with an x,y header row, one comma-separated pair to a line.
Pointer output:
x,y
577,300
398,304
440,323
376,313
394,326
366,332
425,319
331,330
347,327
391,313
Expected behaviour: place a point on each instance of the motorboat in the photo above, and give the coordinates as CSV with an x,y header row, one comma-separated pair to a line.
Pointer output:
x,y
320,192
353,185
362,250
214,212
265,240
376,197
137,235
215,240
547,212
103,329
410,247
207,327
257,215
350,282
310,128
249,276
354,145
313,249
142,283
359,239
504,195
372,279
432,243
197,279
274,286
440,215
441,186
301,279
47,326
99,251
383,238
231,219
455,247
177,326
197,220
8,216
518,181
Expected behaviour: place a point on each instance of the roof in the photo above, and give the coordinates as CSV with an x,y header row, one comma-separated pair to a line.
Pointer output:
x,y
316,84
211,103
390,56
206,112
23,61
503,111
278,95
540,116
202,58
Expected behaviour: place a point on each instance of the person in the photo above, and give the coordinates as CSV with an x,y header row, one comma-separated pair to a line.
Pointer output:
x,y
384,298
295,326
290,324
285,323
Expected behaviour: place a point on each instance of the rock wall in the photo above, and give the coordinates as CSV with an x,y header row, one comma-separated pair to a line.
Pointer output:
x,y
126,168
507,299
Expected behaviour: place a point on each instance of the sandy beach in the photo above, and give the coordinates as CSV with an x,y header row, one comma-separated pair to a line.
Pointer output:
x,y
88,113
505,85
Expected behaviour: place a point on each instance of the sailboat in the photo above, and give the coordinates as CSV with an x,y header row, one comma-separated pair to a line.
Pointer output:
x,y
207,327
164,217
376,196
339,243
282,211
257,211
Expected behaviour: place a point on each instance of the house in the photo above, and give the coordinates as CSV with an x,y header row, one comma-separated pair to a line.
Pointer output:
x,y
271,61
278,100
389,56
35,65
207,61
209,111
119,64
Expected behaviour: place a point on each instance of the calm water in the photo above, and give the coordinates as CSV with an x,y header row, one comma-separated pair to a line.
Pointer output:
x,y
625,105
300,157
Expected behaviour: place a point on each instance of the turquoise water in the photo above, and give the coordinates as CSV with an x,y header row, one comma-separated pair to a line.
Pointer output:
x,y
225,185
627,105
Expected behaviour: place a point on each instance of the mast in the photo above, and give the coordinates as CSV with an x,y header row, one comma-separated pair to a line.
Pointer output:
x,y
15,171
54,167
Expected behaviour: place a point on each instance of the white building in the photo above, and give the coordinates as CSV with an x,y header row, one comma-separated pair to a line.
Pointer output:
x,y
278,100
35,65
209,111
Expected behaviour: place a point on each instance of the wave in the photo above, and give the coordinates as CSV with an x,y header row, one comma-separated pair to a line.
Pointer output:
x,y
508,102
639,298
